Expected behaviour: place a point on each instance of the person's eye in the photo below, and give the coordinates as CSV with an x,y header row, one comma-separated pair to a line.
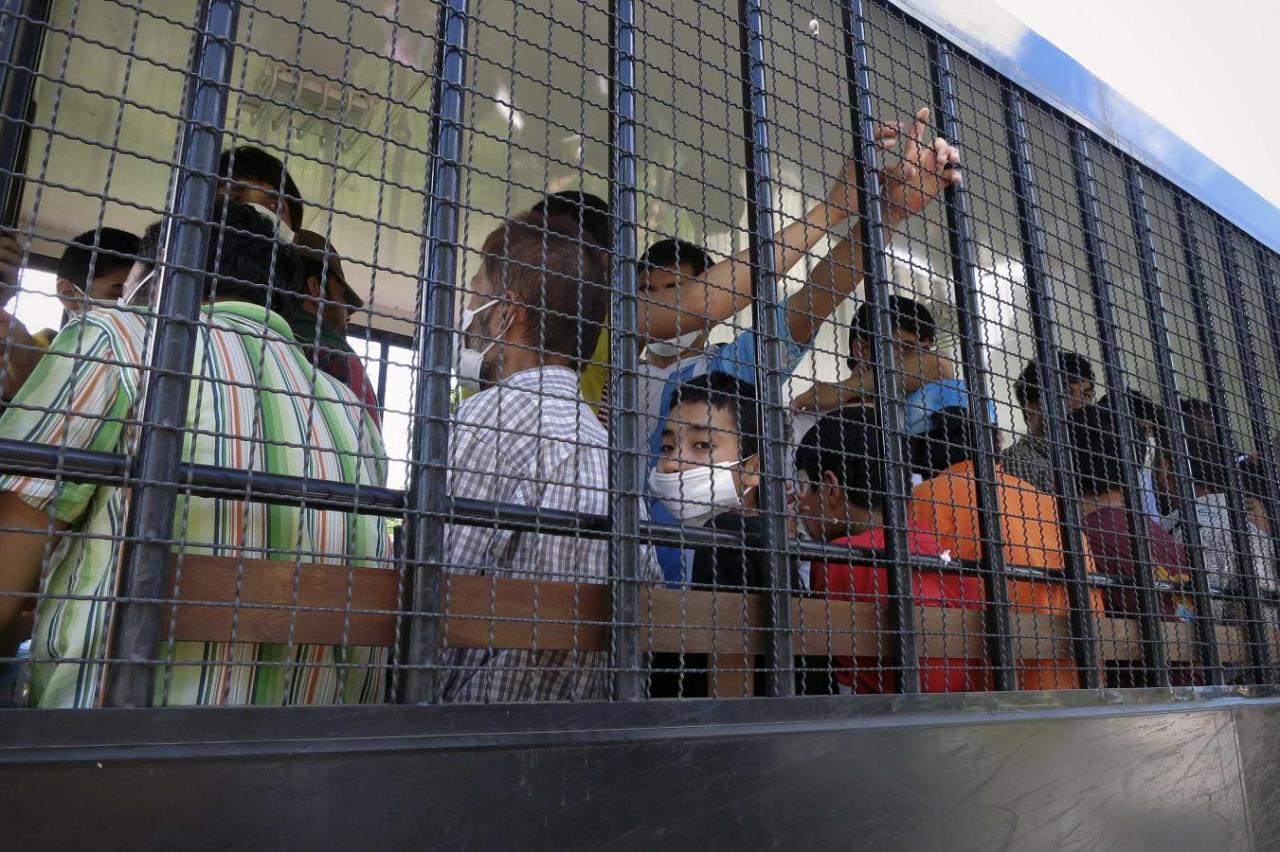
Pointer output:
x,y
703,446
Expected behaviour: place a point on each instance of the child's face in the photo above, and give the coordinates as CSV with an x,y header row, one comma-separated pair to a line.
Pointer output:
x,y
824,508
698,434
860,346
656,282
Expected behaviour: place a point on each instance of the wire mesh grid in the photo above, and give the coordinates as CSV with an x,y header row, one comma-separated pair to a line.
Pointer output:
x,y
492,351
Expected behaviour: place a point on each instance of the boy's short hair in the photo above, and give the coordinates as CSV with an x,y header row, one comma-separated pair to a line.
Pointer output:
x,y
244,257
542,265
907,315
1253,477
115,250
726,393
1208,458
671,253
250,163
589,214
1094,435
847,443
948,440
1073,366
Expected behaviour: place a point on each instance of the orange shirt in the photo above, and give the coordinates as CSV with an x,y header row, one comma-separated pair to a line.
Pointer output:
x,y
948,505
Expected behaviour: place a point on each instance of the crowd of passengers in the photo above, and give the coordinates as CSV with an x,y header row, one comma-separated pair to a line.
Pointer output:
x,y
277,389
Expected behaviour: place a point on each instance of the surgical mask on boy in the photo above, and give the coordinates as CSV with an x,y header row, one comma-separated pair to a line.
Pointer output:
x,y
674,346
467,362
699,493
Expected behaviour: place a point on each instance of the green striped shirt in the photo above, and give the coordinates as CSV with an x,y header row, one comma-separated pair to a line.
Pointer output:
x,y
256,404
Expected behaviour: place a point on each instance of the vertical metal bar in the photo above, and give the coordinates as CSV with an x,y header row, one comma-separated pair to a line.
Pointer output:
x,y
626,462
22,29
964,266
1035,256
384,355
1155,655
767,316
1254,630
135,629
889,404
427,499
1184,497
1261,427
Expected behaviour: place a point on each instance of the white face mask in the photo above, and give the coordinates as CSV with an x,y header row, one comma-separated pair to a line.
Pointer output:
x,y
467,361
283,231
673,347
696,494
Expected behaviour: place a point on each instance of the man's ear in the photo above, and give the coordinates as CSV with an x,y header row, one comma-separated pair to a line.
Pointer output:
x,y
68,290
314,288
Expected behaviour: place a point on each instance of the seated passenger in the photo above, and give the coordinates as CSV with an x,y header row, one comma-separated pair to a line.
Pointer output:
x,y
1028,457
841,494
1253,479
946,504
926,377
1210,480
1150,422
319,321
528,438
243,412
1095,440
708,475
252,176
91,272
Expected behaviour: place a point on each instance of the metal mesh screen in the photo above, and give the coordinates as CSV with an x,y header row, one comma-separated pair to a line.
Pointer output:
x,y
492,351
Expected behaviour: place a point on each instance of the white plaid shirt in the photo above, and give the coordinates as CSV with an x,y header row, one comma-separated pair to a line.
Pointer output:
x,y
531,441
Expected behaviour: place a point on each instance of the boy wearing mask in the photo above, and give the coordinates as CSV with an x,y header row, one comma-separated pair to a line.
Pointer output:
x,y
708,474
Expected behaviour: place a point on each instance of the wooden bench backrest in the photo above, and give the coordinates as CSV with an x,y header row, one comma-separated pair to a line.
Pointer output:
x,y
253,600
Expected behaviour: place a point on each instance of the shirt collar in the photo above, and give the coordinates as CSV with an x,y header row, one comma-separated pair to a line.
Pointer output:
x,y
257,314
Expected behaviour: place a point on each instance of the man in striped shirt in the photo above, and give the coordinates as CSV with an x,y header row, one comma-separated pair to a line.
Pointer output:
x,y
255,404
528,438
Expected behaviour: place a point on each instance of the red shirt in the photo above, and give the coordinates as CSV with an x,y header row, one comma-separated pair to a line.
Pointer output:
x,y
1112,546
930,588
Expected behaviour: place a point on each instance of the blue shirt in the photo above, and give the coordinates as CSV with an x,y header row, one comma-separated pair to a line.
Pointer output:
x,y
928,399
736,358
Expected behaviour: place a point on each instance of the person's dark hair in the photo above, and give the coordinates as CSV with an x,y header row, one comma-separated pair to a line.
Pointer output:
x,y
726,393
1094,435
670,253
249,163
907,314
947,441
1209,459
847,443
1073,367
588,213
541,264
243,258
116,250
1253,477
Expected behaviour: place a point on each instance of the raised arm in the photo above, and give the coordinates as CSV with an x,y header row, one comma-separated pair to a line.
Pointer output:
x,y
910,186
726,286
